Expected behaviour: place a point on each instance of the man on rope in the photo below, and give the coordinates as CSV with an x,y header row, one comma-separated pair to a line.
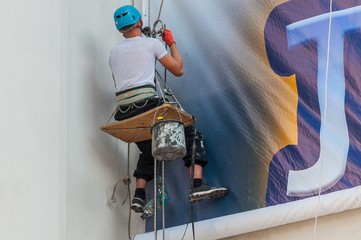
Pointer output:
x,y
132,63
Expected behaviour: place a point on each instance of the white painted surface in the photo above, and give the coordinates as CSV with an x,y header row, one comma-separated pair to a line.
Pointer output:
x,y
30,172
57,169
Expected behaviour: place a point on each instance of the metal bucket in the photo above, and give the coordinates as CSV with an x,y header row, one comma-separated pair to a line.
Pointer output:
x,y
168,140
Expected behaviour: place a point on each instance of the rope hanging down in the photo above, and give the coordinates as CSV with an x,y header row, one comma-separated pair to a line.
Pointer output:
x,y
159,13
147,31
126,180
324,118
165,92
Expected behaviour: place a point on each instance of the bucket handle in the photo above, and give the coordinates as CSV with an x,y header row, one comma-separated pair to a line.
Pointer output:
x,y
164,111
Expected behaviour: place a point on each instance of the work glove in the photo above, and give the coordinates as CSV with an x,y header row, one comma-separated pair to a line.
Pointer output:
x,y
167,37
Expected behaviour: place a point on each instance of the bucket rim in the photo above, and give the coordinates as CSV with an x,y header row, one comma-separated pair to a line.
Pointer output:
x,y
168,120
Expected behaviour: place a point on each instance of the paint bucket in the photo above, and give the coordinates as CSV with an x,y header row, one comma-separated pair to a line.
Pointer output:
x,y
168,140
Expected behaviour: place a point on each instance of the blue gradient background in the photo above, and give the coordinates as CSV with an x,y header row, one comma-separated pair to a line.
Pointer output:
x,y
235,59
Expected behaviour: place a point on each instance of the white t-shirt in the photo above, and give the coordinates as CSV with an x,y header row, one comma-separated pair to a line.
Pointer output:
x,y
133,62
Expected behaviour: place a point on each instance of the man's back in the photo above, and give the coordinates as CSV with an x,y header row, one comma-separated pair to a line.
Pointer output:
x,y
132,62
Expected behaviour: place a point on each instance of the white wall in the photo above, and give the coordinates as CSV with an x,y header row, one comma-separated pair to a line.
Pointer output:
x,y
57,169
31,172
95,160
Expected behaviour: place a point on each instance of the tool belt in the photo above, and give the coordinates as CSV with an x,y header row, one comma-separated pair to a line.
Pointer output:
x,y
133,95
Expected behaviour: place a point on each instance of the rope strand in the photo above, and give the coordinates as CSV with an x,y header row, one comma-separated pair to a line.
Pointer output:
x,y
324,120
160,9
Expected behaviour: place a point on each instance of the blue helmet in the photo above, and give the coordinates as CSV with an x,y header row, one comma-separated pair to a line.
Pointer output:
x,y
125,16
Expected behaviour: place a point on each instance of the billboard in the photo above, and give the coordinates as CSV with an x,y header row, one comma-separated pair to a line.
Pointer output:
x,y
275,88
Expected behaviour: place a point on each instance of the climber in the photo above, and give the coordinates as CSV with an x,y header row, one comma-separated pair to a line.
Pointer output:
x,y
132,63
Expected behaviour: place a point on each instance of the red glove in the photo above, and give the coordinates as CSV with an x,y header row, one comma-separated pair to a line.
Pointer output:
x,y
167,37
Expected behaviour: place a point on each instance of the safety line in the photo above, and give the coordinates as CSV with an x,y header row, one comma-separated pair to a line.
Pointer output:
x,y
163,201
160,9
149,13
127,182
155,200
159,12
323,120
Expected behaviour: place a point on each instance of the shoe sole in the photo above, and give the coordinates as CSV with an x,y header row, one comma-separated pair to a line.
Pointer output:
x,y
211,194
137,208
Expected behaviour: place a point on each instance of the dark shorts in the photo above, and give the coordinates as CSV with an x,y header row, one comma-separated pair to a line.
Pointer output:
x,y
145,165
136,108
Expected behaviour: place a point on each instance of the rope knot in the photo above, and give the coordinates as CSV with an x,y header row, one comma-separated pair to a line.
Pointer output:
x,y
127,180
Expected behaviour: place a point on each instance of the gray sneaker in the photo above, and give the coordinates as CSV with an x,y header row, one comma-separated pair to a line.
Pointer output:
x,y
137,204
205,191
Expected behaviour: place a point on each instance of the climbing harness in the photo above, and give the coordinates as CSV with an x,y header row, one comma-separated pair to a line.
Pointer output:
x,y
132,95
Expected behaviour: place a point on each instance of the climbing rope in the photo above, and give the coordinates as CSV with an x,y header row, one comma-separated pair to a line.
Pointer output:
x,y
323,120
163,202
155,201
126,180
147,31
160,9
153,33
159,12
166,91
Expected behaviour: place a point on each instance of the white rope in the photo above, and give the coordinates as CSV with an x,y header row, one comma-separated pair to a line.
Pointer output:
x,y
163,202
323,120
155,160
160,10
155,200
126,180
149,13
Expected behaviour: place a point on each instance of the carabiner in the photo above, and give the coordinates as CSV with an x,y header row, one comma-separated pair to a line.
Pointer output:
x,y
160,31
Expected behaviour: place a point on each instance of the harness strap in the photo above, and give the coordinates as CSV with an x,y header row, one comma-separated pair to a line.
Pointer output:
x,y
133,95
